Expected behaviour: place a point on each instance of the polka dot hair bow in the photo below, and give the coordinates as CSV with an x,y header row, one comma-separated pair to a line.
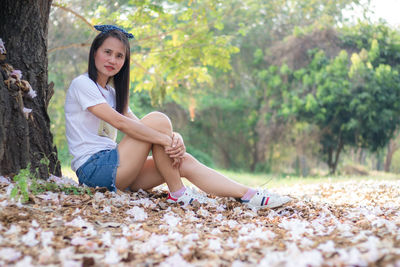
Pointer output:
x,y
107,28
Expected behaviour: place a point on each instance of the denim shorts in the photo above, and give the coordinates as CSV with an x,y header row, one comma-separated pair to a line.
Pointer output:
x,y
100,170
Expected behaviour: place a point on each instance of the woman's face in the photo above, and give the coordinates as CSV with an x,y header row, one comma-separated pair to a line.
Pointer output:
x,y
109,59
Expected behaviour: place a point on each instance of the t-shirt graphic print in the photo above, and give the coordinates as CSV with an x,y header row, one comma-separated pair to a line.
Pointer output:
x,y
107,130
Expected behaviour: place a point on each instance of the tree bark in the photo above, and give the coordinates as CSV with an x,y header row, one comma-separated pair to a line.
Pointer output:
x,y
379,161
338,151
330,161
391,149
26,140
334,155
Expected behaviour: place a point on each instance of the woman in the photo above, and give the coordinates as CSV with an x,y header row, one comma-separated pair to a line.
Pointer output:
x,y
94,111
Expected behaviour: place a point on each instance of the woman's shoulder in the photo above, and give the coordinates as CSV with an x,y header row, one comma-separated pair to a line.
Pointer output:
x,y
82,80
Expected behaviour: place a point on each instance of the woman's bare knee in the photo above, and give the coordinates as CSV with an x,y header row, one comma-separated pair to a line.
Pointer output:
x,y
158,121
188,165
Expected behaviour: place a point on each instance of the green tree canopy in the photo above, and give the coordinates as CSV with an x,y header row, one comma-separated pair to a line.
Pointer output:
x,y
355,101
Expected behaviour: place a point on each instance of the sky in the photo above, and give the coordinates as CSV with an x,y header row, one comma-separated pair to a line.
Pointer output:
x,y
388,10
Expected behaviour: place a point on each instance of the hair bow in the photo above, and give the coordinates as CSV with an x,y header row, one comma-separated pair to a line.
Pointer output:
x,y
107,28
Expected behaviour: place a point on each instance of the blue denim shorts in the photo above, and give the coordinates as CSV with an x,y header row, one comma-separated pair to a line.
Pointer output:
x,y
100,170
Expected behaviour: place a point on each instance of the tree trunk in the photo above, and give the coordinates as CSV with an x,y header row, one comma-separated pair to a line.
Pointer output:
x,y
330,161
392,147
338,151
362,155
379,160
26,139
333,159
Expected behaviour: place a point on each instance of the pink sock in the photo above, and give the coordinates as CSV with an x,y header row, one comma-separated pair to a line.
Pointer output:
x,y
249,194
179,193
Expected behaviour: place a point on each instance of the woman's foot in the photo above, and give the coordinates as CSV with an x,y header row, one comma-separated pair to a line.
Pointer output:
x,y
266,199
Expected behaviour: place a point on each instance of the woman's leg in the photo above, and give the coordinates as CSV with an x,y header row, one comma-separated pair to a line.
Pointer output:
x,y
162,161
136,169
205,178
148,177
132,158
209,180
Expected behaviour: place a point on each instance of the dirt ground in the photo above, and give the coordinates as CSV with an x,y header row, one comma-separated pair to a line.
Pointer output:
x,y
349,223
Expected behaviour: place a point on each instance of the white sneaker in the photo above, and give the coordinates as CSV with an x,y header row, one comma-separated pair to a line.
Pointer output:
x,y
188,197
266,199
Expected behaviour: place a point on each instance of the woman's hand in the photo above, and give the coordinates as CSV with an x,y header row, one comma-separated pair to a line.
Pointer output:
x,y
177,149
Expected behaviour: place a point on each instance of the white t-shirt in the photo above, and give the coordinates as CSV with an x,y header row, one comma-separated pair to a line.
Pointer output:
x,y
87,134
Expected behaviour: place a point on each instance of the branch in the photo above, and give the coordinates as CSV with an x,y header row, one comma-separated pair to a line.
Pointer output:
x,y
67,46
183,45
159,35
74,13
159,78
138,41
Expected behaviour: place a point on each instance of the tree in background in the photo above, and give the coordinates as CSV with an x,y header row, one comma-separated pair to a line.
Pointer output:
x,y
353,105
234,106
258,27
174,48
25,136
175,41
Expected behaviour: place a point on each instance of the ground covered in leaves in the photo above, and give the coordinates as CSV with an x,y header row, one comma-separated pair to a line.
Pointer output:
x,y
353,223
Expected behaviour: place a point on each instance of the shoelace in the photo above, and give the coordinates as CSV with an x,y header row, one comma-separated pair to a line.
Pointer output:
x,y
197,195
269,193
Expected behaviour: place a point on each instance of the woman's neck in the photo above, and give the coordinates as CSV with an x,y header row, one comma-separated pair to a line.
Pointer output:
x,y
102,81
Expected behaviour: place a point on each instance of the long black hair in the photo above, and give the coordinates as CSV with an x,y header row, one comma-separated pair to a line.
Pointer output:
x,y
121,79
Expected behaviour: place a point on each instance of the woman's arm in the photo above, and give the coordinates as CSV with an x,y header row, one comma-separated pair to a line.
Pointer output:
x,y
176,151
129,125
131,115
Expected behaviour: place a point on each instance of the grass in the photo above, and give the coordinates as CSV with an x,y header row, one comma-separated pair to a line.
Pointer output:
x,y
273,181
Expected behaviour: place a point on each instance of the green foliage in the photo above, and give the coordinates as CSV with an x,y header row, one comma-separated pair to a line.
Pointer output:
x,y
353,104
26,183
21,189
40,187
395,167
219,124
176,41
382,41
217,55
200,156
